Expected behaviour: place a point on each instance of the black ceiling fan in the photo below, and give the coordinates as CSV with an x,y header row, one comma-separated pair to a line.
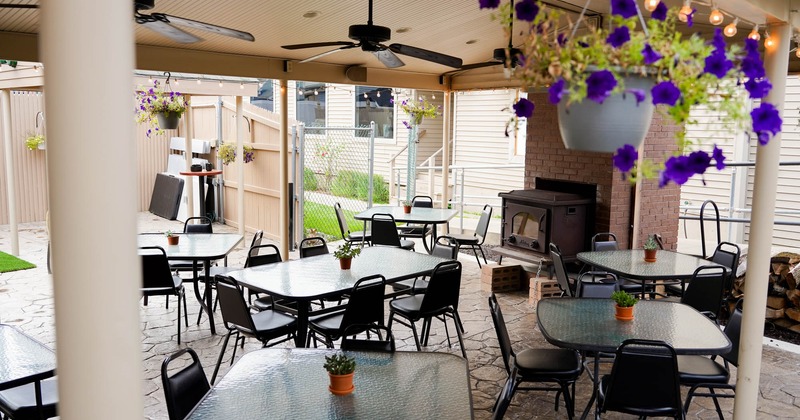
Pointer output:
x,y
369,38
163,23
507,57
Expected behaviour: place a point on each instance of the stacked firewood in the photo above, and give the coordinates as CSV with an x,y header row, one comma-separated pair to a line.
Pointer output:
x,y
783,300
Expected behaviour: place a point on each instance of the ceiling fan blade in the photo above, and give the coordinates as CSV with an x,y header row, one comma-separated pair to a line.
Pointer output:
x,y
312,58
388,58
170,31
220,30
427,55
481,65
316,44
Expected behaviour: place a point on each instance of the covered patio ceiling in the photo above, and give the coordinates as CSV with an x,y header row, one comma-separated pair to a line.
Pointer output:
x,y
455,27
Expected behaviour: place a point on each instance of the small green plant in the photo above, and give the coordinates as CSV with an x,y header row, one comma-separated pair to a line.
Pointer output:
x,y
33,141
168,233
405,203
347,250
650,242
227,153
623,299
339,364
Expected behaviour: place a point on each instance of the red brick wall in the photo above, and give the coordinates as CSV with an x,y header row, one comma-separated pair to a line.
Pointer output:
x,y
547,157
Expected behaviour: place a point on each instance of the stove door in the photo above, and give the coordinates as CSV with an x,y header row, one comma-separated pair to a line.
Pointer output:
x,y
528,228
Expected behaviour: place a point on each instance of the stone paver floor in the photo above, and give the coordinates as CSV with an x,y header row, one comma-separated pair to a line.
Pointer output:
x,y
26,302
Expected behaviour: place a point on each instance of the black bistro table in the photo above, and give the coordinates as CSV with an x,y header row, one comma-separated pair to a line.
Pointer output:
x,y
589,325
291,383
24,360
198,247
317,277
419,215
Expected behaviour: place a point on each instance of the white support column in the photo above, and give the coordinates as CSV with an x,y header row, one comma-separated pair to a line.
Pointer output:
x,y
5,108
240,165
447,114
776,62
188,135
92,175
283,225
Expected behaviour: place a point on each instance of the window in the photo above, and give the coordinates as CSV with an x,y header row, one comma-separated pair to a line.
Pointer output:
x,y
265,98
375,104
310,107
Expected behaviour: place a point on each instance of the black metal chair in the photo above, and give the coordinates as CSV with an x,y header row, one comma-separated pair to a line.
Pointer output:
x,y
19,403
264,326
607,241
364,308
703,372
261,255
312,246
217,270
199,224
643,381
417,230
475,241
565,283
440,299
384,232
445,247
185,388
600,286
358,344
704,290
347,235
560,366
726,254
158,280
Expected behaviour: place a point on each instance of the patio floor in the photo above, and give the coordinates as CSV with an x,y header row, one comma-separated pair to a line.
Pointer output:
x,y
26,302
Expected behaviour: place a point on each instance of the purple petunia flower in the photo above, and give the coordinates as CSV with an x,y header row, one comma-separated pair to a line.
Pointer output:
x,y
677,169
599,85
717,64
639,94
665,93
561,39
766,119
763,137
489,4
524,108
718,41
758,89
660,13
718,157
663,178
625,158
556,91
651,56
527,10
521,60
407,125
690,18
619,37
583,44
699,161
624,8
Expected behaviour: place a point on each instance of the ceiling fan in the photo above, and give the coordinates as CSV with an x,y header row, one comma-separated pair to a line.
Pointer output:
x,y
163,23
369,38
507,57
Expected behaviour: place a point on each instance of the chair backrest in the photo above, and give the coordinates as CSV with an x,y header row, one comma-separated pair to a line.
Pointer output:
x,y
597,288
365,304
562,278
502,332
358,344
384,230
156,272
704,291
444,288
422,201
257,237
235,312
184,389
609,244
727,254
733,330
483,223
337,209
644,380
263,254
445,247
312,246
199,224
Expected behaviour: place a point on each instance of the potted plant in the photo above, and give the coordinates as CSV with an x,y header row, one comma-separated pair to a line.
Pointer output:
x,y
624,305
34,142
345,254
172,239
161,108
650,248
227,153
627,67
406,206
340,371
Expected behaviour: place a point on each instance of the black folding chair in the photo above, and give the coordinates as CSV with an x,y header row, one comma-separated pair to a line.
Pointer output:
x,y
185,388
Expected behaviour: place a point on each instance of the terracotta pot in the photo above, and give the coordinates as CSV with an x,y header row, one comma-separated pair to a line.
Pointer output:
x,y
406,209
345,263
168,120
341,384
623,313
650,255
173,240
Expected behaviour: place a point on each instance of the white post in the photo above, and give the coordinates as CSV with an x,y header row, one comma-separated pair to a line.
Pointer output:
x,y
5,105
240,164
284,171
776,62
446,133
91,143
187,154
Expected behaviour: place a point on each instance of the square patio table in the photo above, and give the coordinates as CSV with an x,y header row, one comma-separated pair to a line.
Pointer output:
x,y
203,247
317,277
291,383
24,360
420,215
589,325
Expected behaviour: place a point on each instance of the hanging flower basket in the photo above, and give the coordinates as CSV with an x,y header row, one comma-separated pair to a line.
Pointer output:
x,y
168,120
160,108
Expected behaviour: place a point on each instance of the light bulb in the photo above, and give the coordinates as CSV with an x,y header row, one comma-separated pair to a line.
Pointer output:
x,y
797,52
241,85
378,94
220,83
300,91
177,82
433,96
754,35
365,95
716,17
731,29
149,79
199,82
651,5
686,10
316,92
769,42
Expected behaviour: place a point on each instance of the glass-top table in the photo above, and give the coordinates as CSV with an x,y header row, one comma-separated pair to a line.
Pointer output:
x,y
318,277
24,360
291,383
419,215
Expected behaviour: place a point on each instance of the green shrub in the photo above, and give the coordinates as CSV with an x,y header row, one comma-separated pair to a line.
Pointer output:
x,y
352,184
310,180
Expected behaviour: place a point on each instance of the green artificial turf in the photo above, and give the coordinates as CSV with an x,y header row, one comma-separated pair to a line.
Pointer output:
x,y
12,263
322,218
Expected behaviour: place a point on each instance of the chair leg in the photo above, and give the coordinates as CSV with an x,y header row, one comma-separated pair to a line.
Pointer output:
x,y
416,337
482,254
179,317
716,402
506,394
477,258
446,331
221,353
458,332
185,311
568,401
235,343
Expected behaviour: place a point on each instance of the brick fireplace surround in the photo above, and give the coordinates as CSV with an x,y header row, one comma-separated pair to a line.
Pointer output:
x,y
547,157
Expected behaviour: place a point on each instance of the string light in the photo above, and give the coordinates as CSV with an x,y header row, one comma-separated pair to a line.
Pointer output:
x,y
754,35
149,79
316,92
365,95
716,17
379,93
769,43
731,29
220,83
686,10
300,91
651,5
241,85
433,96
199,82
177,82
797,50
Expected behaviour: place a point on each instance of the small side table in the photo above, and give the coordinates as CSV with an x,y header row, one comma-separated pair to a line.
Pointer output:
x,y
202,185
